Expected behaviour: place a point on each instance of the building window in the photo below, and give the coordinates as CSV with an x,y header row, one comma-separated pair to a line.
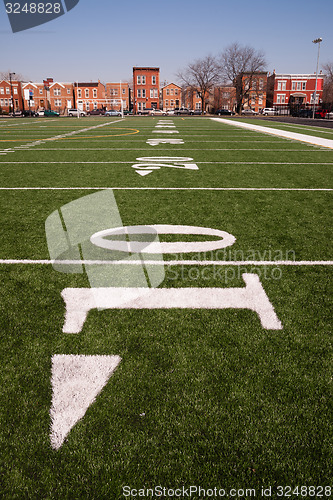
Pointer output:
x,y
166,102
86,93
172,103
143,79
171,91
57,103
167,92
139,92
151,93
143,92
153,80
138,79
7,90
176,91
281,99
261,83
124,91
15,91
79,93
2,90
95,93
56,92
87,106
41,91
68,91
260,101
282,85
95,105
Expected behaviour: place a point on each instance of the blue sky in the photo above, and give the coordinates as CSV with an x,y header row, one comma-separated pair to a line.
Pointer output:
x,y
104,39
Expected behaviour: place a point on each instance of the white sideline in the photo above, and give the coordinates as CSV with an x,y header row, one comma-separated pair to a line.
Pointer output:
x,y
318,141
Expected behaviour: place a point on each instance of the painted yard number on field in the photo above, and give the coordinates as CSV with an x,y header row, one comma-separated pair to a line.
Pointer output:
x,y
79,301
149,163
80,232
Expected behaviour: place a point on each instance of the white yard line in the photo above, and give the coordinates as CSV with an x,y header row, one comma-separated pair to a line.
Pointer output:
x,y
318,141
268,150
170,262
98,188
240,162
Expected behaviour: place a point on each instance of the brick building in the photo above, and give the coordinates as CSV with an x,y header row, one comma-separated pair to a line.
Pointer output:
x,y
117,92
251,89
296,89
192,99
146,88
225,98
171,97
10,96
90,95
60,96
35,96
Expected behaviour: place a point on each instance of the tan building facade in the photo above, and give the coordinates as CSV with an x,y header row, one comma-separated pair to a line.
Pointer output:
x,y
171,97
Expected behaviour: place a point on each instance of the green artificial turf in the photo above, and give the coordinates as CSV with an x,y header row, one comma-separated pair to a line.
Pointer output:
x,y
201,397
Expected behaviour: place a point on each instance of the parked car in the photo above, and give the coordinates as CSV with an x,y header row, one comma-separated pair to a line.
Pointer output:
x,y
250,112
158,112
195,112
76,112
99,112
28,112
224,112
47,112
112,112
329,115
170,112
50,112
268,111
182,111
145,111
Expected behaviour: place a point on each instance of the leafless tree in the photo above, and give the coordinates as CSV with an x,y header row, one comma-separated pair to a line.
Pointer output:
x,y
201,76
328,83
237,60
5,75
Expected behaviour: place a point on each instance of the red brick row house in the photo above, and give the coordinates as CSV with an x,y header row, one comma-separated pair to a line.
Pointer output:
x,y
118,95
297,89
10,96
146,88
171,96
89,96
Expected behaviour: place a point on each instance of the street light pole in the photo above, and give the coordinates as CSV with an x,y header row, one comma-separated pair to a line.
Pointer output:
x,y
317,40
11,91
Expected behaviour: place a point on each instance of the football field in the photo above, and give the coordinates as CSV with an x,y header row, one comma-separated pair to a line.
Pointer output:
x,y
166,309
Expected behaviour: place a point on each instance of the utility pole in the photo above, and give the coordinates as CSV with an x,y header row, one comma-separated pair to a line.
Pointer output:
x,y
11,93
317,40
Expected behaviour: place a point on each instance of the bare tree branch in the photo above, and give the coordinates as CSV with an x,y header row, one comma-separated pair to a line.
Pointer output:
x,y
235,61
201,76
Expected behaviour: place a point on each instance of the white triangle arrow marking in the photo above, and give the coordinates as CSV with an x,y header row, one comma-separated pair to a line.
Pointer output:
x,y
143,172
76,382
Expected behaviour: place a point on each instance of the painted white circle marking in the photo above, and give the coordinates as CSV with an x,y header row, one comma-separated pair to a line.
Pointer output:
x,y
225,239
